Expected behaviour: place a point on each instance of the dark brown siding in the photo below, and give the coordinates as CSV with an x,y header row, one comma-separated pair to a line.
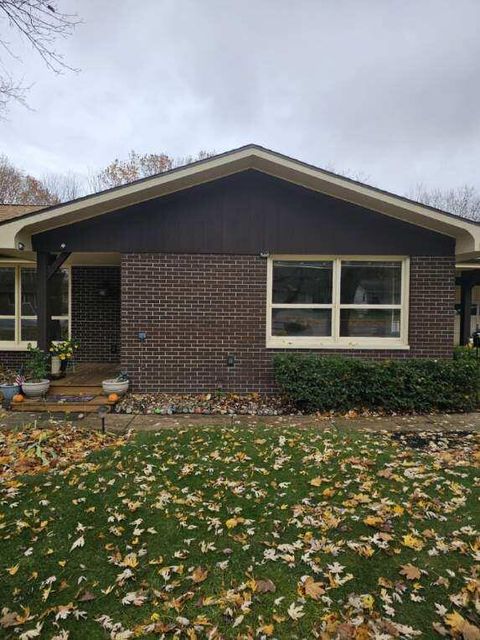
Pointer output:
x,y
197,309
246,213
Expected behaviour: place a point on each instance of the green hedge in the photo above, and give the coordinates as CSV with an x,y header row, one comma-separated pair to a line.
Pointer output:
x,y
332,383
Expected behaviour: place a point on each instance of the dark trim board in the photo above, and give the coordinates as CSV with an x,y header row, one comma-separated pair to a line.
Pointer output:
x,y
246,213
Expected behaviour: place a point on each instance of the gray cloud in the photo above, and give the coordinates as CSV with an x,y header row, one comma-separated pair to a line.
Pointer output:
x,y
389,88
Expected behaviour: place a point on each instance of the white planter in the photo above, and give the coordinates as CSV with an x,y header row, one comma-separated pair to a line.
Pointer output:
x,y
115,386
35,389
55,363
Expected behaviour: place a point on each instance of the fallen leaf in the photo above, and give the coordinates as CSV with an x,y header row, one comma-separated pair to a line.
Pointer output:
x,y
265,586
295,611
313,589
79,542
13,570
199,574
410,572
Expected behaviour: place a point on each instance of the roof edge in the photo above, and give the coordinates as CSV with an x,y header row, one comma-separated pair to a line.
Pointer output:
x,y
254,156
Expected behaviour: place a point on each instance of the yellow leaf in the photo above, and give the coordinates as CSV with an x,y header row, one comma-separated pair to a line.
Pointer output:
x,y
373,521
316,482
267,629
13,570
231,523
367,601
412,542
460,625
130,560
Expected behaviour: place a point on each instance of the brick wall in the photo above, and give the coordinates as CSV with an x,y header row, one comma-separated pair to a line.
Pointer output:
x,y
96,318
12,359
196,309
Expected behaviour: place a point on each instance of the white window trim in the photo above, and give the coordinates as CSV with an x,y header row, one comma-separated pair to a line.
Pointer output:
x,y
336,341
22,345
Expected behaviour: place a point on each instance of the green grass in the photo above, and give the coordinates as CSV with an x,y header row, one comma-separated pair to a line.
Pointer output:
x,y
166,497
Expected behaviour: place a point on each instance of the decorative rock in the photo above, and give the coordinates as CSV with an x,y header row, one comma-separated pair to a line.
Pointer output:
x,y
219,403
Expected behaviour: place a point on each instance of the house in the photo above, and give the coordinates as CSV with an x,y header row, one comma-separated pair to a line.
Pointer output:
x,y
192,279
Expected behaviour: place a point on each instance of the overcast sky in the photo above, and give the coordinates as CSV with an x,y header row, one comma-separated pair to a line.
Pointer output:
x,y
386,88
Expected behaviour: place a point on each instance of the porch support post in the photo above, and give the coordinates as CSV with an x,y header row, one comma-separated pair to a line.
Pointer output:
x,y
466,286
57,263
44,260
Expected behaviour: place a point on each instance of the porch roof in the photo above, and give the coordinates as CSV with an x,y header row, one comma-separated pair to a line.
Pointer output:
x,y
18,231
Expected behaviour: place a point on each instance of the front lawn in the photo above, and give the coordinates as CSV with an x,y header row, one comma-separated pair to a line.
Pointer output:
x,y
246,532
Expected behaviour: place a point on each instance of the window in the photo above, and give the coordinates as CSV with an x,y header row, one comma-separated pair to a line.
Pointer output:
x,y
337,302
18,306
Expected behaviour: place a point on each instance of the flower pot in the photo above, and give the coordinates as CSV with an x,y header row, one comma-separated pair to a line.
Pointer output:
x,y
120,387
35,389
8,391
56,365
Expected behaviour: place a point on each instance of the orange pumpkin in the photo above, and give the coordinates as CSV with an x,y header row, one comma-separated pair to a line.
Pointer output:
x,y
113,397
17,397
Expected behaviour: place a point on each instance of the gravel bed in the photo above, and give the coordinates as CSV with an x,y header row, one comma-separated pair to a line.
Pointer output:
x,y
209,404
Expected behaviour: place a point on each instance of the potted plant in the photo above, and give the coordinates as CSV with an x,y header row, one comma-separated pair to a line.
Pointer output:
x,y
118,385
9,387
36,382
61,353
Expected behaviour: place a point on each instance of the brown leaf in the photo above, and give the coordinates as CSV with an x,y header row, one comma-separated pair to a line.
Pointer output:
x,y
313,589
410,572
345,631
460,625
199,574
265,586
87,596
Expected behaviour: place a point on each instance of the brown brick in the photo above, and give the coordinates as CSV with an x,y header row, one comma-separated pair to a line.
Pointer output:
x,y
196,309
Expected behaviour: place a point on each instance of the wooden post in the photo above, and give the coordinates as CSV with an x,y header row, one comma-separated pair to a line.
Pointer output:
x,y
465,309
44,260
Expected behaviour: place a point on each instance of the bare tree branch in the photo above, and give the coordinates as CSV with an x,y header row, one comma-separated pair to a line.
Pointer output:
x,y
63,187
10,90
41,24
463,201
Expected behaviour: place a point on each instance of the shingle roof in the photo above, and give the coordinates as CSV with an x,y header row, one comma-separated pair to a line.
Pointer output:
x,y
10,211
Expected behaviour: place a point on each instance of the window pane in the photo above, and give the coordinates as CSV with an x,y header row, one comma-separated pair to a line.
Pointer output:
x,y
7,329
301,322
60,329
371,282
370,323
302,282
29,293
7,291
59,293
29,329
